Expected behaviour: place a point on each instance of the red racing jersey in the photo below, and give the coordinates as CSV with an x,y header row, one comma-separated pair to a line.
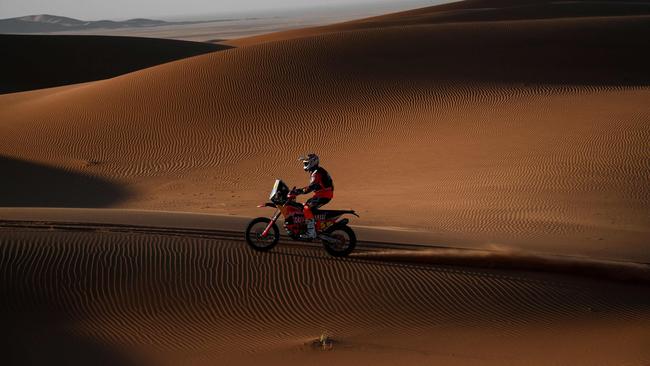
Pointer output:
x,y
321,184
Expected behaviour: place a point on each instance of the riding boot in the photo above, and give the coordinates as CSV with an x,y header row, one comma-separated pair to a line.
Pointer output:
x,y
311,229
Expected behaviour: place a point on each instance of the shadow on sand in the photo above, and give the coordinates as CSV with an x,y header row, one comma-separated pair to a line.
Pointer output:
x,y
597,52
27,184
30,339
43,61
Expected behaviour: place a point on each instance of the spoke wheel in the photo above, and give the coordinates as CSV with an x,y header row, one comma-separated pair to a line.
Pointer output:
x,y
254,233
345,242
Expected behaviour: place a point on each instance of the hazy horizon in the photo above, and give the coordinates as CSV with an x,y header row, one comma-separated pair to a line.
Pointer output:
x,y
125,9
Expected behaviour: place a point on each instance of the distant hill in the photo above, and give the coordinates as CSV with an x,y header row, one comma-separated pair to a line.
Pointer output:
x,y
52,23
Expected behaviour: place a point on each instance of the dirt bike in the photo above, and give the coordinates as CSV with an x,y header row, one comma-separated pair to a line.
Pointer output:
x,y
262,234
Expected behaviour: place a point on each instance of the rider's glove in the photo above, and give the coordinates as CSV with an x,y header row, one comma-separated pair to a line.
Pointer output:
x,y
299,191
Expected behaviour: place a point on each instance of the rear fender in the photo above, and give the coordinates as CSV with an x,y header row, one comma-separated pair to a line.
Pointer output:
x,y
351,212
338,225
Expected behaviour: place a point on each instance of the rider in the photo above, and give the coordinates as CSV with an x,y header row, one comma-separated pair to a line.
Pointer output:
x,y
321,184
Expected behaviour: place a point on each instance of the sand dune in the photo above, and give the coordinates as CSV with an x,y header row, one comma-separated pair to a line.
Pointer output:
x,y
112,298
523,126
526,133
468,11
38,61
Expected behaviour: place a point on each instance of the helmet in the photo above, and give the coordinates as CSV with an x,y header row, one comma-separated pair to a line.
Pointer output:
x,y
310,162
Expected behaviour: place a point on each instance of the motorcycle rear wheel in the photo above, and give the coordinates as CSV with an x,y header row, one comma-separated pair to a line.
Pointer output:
x,y
347,241
254,235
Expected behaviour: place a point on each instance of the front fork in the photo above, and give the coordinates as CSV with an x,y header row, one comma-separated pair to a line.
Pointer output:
x,y
273,220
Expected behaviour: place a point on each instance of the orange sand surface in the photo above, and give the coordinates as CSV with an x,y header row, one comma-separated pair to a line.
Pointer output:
x,y
531,132
517,127
107,298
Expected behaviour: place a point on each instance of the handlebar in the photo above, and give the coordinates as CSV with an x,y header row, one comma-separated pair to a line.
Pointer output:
x,y
292,194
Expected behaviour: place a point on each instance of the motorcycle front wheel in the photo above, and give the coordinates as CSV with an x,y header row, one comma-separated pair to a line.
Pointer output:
x,y
345,242
254,234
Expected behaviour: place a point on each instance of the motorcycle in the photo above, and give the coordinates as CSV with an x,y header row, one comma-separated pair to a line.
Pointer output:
x,y
262,234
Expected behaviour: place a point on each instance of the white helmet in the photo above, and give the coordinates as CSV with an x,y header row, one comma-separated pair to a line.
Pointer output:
x,y
309,162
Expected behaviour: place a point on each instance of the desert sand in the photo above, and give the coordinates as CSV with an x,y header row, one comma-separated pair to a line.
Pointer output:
x,y
531,133
479,124
80,298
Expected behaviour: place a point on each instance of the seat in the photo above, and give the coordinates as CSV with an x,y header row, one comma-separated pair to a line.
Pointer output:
x,y
329,214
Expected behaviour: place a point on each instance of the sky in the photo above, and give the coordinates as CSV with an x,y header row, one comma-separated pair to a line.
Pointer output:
x,y
126,9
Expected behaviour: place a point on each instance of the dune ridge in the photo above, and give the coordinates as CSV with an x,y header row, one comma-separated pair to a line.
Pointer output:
x,y
508,258
468,11
374,243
